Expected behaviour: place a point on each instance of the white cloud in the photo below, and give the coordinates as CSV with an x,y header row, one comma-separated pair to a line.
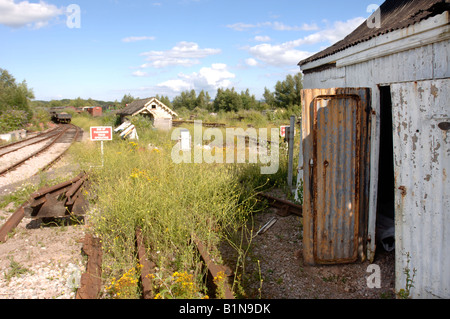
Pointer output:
x,y
277,55
251,62
184,54
208,78
19,14
177,85
135,39
288,53
140,73
261,38
305,27
279,26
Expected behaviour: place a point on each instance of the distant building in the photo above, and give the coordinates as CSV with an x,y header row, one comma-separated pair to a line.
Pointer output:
x,y
160,114
95,111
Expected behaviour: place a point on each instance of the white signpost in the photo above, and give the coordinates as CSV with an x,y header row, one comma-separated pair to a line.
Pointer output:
x,y
101,133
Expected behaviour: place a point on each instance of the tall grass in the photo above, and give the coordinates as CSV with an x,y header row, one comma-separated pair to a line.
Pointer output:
x,y
141,187
138,187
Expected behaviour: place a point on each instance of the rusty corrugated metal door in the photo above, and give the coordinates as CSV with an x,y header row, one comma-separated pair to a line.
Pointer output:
x,y
336,174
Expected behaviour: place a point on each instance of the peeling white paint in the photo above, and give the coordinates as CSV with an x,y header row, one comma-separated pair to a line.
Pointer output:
x,y
422,158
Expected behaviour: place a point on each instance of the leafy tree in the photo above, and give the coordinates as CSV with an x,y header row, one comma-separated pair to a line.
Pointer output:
x,y
14,96
165,100
203,100
287,92
227,100
190,100
78,102
248,101
269,97
127,99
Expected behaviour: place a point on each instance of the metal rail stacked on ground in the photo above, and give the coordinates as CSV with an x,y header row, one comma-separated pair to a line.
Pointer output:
x,y
62,200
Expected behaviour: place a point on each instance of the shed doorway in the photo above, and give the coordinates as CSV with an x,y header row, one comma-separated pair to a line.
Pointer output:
x,y
385,226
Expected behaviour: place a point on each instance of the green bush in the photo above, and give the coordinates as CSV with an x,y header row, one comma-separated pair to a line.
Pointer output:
x,y
11,120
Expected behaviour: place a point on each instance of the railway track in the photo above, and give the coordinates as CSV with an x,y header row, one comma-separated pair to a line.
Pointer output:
x,y
91,284
40,137
38,152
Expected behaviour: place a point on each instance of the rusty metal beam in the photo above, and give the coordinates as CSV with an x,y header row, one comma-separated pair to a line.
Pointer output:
x,y
70,194
285,207
213,268
91,280
11,223
148,267
45,190
58,200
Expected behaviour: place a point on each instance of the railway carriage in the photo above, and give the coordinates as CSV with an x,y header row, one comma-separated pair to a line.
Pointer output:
x,y
61,117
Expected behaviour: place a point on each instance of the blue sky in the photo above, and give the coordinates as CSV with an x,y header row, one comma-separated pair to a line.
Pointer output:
x,y
116,47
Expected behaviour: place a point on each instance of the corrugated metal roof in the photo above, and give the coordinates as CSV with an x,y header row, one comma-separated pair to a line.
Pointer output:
x,y
135,106
395,15
138,105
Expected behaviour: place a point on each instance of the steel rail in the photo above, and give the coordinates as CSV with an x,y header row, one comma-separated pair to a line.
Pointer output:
x,y
285,207
30,138
46,167
35,142
17,164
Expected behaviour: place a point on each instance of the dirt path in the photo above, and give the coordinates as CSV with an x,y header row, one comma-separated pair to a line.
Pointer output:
x,y
276,257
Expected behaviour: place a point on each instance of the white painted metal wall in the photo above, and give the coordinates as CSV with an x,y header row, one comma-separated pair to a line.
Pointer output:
x,y
421,164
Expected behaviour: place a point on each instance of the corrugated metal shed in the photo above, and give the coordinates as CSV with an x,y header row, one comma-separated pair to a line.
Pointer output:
x,y
412,62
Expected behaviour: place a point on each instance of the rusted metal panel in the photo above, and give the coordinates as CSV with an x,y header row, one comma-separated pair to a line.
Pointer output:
x,y
422,201
11,223
59,200
91,280
336,169
148,267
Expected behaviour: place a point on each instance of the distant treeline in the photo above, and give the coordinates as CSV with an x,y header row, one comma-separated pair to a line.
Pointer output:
x,y
18,107
286,95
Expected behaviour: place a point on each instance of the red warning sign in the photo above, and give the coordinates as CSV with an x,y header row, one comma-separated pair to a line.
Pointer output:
x,y
101,133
